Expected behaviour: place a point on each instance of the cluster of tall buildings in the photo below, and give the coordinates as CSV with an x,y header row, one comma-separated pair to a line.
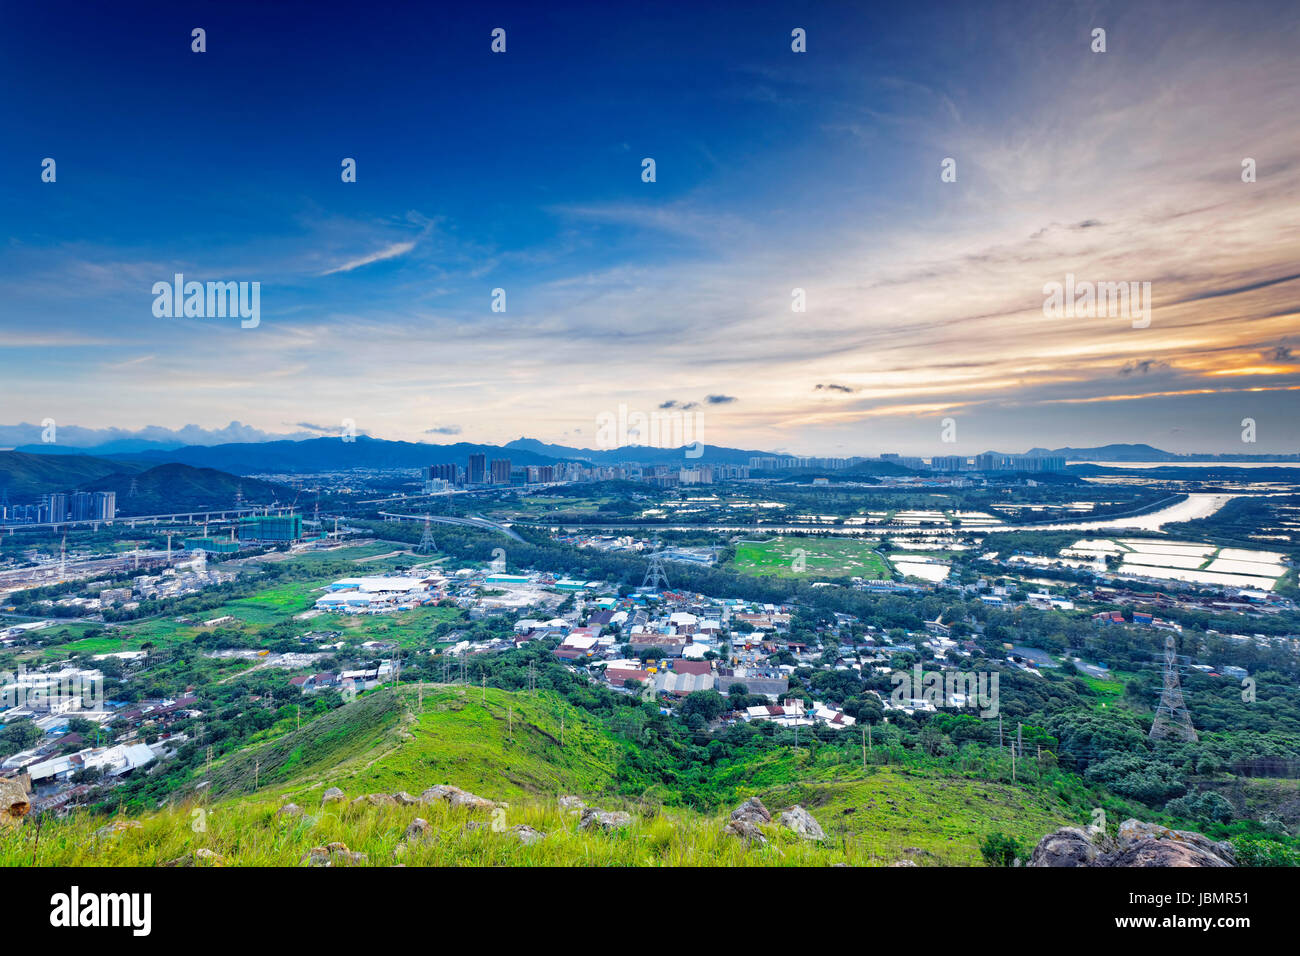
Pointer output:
x,y
61,506
775,463
478,471
989,461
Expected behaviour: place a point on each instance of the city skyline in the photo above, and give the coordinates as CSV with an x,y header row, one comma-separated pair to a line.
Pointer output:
x,y
775,171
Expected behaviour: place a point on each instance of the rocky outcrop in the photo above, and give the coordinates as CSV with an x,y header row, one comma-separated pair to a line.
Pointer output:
x,y
572,804
333,795
117,828
1138,844
457,798
606,820
744,830
14,804
1068,846
404,798
289,810
333,854
803,823
200,857
752,811
419,829
1150,844
374,800
525,834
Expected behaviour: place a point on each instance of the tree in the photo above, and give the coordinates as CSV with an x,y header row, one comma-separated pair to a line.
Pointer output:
x,y
1001,849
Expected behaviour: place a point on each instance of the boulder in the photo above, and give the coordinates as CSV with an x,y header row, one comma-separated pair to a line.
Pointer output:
x,y
1139,844
1068,846
200,857
744,830
117,828
802,822
904,863
1134,831
334,854
419,829
572,803
457,798
606,820
14,804
752,811
333,795
526,834
374,800
404,798
289,810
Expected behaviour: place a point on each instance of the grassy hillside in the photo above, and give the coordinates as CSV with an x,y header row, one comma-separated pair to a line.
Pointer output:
x,y
25,477
390,740
527,750
174,487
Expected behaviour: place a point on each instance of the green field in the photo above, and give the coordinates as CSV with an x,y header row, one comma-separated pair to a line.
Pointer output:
x,y
526,749
821,558
278,602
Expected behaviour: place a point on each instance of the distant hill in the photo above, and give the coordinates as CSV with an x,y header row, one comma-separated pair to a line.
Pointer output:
x,y
1121,453
710,454
174,487
25,476
329,454
159,489
1108,453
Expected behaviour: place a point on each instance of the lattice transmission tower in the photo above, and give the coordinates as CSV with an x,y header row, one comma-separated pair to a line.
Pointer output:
x,y
1172,721
656,578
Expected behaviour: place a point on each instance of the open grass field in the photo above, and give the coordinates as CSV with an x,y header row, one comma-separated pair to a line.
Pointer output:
x,y
820,558
512,747
278,602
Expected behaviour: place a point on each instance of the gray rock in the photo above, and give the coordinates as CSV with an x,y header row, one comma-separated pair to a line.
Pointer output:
x,y
419,829
456,797
117,828
333,795
752,811
802,822
404,798
374,800
1068,846
744,830
289,810
334,854
1139,844
526,834
605,820
200,857
1132,831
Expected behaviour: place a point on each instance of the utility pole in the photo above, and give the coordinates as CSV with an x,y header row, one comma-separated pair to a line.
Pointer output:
x,y
864,748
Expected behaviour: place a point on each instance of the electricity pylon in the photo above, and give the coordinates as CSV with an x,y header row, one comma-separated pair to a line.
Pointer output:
x,y
1172,721
655,573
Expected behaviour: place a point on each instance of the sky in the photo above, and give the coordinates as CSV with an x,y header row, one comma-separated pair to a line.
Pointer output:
x,y
775,171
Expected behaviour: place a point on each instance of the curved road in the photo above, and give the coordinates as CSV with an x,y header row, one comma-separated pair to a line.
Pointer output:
x,y
471,522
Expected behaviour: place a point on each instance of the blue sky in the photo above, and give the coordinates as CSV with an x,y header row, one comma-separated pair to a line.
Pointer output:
x,y
775,171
